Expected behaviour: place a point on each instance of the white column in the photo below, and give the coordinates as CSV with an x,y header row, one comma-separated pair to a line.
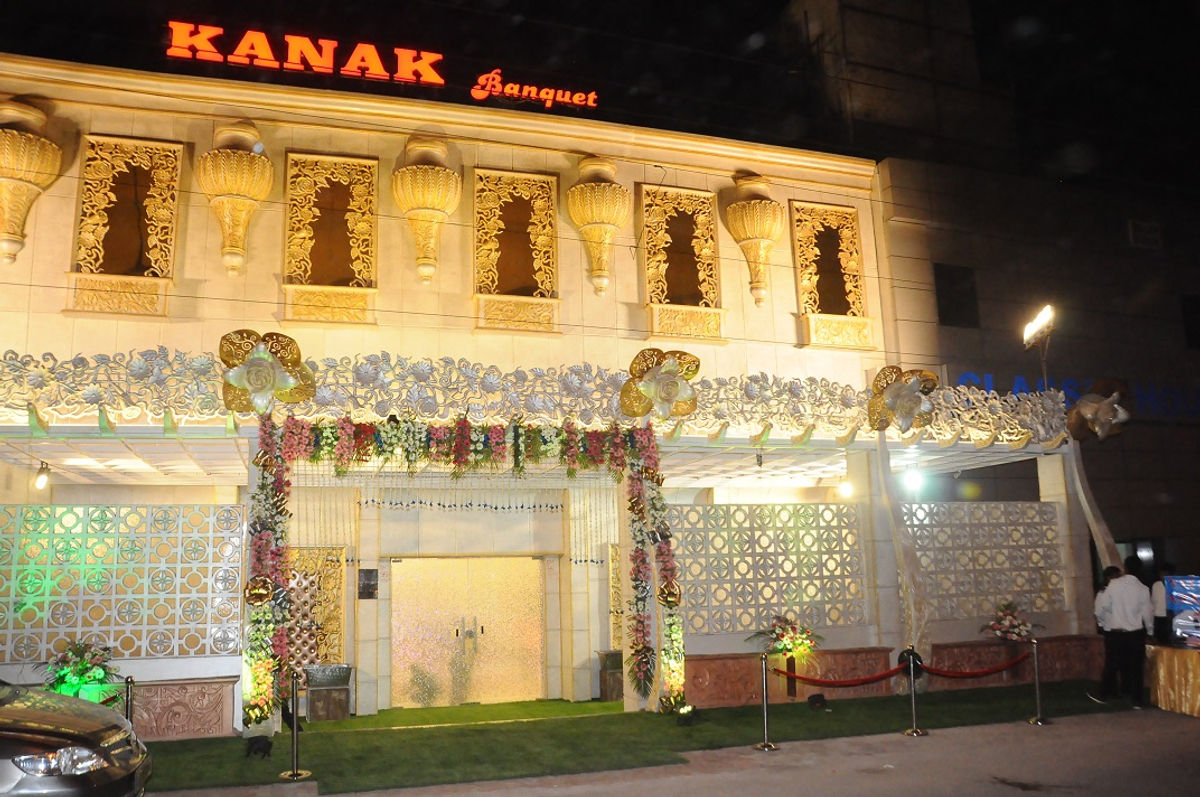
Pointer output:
x,y
883,582
1055,486
372,629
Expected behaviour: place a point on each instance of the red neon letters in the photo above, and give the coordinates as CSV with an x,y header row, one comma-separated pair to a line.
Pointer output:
x,y
492,84
254,49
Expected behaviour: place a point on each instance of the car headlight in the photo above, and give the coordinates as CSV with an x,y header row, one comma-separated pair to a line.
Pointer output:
x,y
67,761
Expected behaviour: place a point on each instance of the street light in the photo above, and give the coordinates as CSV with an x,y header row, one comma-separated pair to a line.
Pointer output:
x,y
1037,332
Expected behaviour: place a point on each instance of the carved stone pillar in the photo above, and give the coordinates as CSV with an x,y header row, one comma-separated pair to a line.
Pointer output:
x,y
427,192
29,163
599,207
235,178
756,222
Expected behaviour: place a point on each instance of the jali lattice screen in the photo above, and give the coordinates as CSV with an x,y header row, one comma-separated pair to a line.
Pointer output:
x,y
741,564
974,556
151,581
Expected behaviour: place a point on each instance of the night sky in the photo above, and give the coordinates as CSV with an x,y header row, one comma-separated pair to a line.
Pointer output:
x,y
1103,89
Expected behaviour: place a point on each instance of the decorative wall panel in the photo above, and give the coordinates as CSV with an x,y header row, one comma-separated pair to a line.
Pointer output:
x,y
742,564
104,159
151,581
189,709
808,220
658,206
307,175
494,190
977,555
317,623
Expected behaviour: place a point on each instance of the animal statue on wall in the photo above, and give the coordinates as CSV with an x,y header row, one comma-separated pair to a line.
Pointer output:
x,y
1094,414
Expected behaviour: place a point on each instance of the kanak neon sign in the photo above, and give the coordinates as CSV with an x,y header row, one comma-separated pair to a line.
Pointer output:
x,y
254,49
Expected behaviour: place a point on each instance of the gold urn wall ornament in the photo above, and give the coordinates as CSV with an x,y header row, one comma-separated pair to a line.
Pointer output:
x,y
235,178
29,164
901,398
756,222
658,383
261,370
427,192
599,207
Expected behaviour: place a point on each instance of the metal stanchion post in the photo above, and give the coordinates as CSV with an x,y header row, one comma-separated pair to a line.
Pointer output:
x,y
1037,719
129,697
765,744
295,773
912,693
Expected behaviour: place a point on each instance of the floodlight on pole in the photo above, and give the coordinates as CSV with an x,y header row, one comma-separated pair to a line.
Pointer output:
x,y
1037,333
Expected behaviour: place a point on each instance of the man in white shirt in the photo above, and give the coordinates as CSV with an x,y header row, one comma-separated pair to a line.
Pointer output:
x,y
1125,611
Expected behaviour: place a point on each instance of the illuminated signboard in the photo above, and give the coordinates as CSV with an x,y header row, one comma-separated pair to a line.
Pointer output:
x,y
301,54
254,48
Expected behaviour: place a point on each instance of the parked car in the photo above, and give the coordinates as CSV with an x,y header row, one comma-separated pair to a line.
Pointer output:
x,y
51,745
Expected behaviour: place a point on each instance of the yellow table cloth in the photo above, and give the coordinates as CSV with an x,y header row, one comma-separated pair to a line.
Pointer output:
x,y
1174,678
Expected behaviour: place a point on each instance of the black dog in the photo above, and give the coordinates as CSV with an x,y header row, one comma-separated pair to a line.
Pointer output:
x,y
259,746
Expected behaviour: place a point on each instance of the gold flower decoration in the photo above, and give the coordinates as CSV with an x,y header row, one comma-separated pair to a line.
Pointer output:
x,y
261,370
259,590
658,382
902,398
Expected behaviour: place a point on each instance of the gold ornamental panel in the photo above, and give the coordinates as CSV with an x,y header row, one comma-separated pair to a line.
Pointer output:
x,y
306,176
658,206
318,595
528,313
686,321
335,304
808,220
835,331
104,159
494,190
107,293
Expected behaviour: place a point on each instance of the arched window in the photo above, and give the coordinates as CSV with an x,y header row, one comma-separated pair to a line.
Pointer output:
x,y
125,241
679,258
829,276
516,252
329,271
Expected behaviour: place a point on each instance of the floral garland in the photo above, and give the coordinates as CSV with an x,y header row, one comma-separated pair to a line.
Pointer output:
x,y
464,446
267,649
785,635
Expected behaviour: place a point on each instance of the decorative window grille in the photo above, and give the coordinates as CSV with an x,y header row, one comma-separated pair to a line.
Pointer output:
x,y
829,276
330,265
741,564
516,251
151,581
125,241
679,261
976,555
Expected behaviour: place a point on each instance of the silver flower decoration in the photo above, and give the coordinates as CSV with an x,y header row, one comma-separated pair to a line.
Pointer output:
x,y
261,375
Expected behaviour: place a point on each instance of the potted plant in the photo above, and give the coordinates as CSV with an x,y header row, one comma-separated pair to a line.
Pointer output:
x,y
83,669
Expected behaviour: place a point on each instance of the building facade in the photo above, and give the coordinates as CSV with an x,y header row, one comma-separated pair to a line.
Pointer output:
x,y
470,269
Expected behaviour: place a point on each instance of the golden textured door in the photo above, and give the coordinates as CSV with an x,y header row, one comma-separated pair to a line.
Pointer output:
x,y
467,630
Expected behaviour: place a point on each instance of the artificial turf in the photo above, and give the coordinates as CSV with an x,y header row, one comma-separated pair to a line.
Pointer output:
x,y
432,746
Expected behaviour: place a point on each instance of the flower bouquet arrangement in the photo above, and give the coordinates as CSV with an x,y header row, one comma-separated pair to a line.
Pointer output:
x,y
785,635
1008,623
81,663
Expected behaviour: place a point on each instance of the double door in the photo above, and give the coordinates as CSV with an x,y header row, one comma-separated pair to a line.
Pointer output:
x,y
467,630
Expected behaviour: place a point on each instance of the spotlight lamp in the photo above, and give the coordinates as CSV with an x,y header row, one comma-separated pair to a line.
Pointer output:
x,y
1039,328
42,478
845,489
913,479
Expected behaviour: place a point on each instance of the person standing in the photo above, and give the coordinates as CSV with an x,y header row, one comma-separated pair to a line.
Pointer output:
x,y
1124,608
1158,597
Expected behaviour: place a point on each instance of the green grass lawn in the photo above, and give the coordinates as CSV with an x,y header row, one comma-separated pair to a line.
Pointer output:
x,y
421,747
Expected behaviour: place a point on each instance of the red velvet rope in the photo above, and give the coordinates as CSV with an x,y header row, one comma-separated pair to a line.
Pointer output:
x,y
975,673
870,679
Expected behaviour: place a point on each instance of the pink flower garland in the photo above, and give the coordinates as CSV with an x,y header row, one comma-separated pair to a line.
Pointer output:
x,y
343,451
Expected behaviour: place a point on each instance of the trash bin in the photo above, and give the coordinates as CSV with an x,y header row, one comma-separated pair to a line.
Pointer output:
x,y
612,675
